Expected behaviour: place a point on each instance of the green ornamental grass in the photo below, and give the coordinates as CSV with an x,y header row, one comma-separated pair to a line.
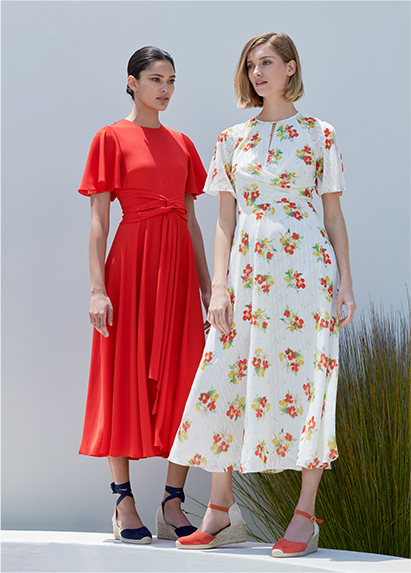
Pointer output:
x,y
365,498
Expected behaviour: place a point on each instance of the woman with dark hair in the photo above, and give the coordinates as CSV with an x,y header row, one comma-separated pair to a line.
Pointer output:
x,y
264,396
145,305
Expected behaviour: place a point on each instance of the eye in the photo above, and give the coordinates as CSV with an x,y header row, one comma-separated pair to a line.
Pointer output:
x,y
173,81
266,62
155,79
250,66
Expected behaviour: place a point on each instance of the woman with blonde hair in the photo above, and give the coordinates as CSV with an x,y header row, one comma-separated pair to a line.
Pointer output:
x,y
264,396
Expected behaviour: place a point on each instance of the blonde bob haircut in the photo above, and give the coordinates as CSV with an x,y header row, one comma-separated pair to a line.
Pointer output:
x,y
283,45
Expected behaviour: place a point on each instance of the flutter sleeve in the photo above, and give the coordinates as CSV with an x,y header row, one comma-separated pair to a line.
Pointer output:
x,y
196,173
329,166
221,173
103,167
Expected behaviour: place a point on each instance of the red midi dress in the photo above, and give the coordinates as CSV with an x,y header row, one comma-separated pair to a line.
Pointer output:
x,y
140,376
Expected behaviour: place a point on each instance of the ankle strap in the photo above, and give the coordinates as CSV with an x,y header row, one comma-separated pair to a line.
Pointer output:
x,y
311,517
174,492
225,509
122,489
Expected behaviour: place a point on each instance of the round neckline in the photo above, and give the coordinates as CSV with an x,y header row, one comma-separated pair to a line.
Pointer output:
x,y
142,126
287,119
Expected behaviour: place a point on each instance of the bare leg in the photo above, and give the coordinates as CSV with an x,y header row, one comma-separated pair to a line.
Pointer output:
x,y
300,528
221,494
127,516
176,477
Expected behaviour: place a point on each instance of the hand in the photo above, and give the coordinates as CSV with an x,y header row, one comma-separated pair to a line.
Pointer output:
x,y
100,310
205,297
220,311
345,297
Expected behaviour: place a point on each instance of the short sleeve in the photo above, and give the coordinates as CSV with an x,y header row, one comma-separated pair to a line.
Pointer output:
x,y
329,166
220,175
103,167
196,172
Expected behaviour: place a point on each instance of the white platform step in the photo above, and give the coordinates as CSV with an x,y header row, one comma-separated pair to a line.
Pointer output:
x,y
55,551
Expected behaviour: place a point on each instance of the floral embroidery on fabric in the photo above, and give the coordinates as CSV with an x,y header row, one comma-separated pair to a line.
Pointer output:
x,y
293,360
294,279
206,402
238,371
236,408
260,362
221,442
260,406
292,321
283,442
291,405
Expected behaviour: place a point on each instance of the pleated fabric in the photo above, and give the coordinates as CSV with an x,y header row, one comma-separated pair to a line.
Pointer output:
x,y
140,376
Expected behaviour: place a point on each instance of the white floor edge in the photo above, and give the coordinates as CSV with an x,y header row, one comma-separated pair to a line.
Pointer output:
x,y
57,551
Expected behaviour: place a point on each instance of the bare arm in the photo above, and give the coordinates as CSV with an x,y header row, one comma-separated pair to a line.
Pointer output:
x,y
335,226
199,254
220,312
100,305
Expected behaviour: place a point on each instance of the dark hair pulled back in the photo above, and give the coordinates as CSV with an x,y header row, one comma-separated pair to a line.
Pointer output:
x,y
142,59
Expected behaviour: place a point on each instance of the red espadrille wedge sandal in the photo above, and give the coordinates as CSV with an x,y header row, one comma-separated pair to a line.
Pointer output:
x,y
285,548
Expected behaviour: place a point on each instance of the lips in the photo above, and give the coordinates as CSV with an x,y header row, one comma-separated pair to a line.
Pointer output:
x,y
260,83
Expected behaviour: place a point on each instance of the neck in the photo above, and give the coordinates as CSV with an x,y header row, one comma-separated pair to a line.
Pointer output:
x,y
276,110
144,116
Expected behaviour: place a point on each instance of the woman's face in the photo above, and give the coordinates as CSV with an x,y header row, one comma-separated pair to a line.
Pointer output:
x,y
155,85
267,72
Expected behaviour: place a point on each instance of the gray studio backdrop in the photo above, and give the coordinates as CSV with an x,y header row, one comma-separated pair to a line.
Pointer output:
x,y
64,77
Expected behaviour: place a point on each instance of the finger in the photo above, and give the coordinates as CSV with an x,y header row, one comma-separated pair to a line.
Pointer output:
x,y
110,315
230,316
339,308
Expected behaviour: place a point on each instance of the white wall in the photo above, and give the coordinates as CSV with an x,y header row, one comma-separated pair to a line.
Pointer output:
x,y
63,77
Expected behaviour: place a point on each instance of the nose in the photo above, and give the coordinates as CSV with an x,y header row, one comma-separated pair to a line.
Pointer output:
x,y
256,71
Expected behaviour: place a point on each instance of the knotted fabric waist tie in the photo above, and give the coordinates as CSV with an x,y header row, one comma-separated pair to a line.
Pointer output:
x,y
156,204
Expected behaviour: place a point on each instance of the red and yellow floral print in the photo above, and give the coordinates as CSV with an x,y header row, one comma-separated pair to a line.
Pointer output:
x,y
291,209
292,321
329,138
251,194
332,444
252,122
324,363
283,442
257,318
197,460
227,339
255,168
306,154
309,429
182,432
293,360
290,241
326,287
230,172
322,320
260,362
250,142
309,390
294,279
284,180
236,408
319,168
261,451
221,442
263,211
274,156
324,405
224,135
206,360
291,405
321,253
307,192
306,122
237,371
261,406
264,249
247,277
286,132
206,402
231,468
263,284
231,293
244,243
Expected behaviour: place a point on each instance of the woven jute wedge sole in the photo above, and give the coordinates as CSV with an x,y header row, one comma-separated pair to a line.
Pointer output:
x,y
118,536
232,534
163,529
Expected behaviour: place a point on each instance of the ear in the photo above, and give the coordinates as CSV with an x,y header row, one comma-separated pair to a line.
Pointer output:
x,y
132,83
291,67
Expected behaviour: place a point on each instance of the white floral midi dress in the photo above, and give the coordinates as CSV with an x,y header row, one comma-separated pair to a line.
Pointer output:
x,y
263,398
